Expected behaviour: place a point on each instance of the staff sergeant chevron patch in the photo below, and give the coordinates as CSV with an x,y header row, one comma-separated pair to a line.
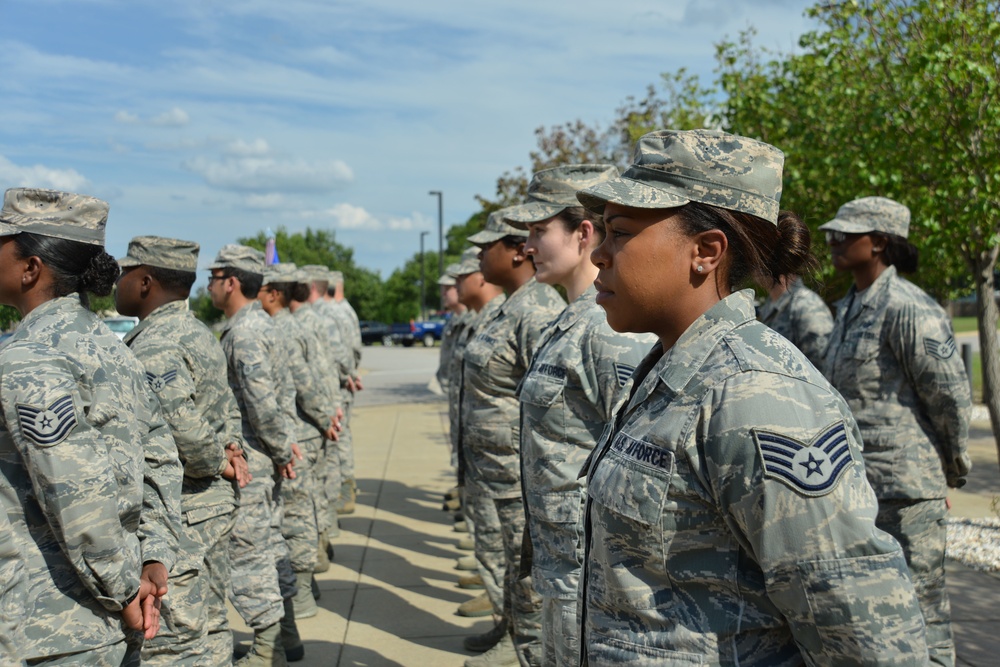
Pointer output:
x,y
624,372
938,349
158,382
813,468
47,426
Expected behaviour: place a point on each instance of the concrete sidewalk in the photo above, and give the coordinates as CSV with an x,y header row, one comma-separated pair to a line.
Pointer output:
x,y
390,597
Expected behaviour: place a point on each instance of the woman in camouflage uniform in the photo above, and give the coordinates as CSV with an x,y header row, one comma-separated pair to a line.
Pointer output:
x,y
567,395
892,355
728,518
78,432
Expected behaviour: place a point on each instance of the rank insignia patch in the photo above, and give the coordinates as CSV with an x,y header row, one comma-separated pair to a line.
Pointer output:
x,y
624,373
48,426
248,369
158,382
812,468
938,349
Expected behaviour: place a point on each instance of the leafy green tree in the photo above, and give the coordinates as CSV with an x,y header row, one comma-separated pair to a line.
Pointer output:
x,y
894,98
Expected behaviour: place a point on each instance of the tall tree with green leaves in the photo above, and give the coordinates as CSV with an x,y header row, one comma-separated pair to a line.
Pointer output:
x,y
895,98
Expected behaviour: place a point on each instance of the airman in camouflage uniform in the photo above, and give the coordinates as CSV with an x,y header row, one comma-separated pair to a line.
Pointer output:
x,y
801,316
892,355
566,400
89,475
728,519
252,355
314,418
13,595
452,328
338,309
327,465
186,371
496,360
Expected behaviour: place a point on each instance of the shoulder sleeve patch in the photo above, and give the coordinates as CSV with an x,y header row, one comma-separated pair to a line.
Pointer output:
x,y
940,350
624,373
813,468
158,382
246,370
49,425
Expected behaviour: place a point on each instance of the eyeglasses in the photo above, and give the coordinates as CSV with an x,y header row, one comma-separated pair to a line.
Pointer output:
x,y
212,279
836,238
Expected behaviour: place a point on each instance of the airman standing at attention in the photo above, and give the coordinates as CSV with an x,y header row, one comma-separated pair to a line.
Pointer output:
x,y
328,460
728,518
186,371
496,360
89,475
314,418
892,355
262,598
798,314
452,328
338,309
567,395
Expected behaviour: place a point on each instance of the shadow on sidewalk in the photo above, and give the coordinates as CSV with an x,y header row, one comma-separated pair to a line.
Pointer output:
x,y
395,570
397,535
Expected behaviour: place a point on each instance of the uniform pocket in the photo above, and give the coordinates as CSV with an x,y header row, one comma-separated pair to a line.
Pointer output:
x,y
199,514
615,652
634,479
542,390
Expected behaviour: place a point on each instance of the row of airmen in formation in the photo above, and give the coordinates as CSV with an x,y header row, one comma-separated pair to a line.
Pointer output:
x,y
652,476
142,484
655,477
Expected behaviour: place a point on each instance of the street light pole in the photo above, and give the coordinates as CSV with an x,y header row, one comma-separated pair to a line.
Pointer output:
x,y
440,197
423,278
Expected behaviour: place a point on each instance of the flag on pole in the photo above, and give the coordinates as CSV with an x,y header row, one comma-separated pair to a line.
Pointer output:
x,y
270,249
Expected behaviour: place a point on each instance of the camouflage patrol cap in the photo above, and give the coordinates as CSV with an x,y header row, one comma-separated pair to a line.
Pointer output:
x,y
672,167
240,257
335,277
63,215
496,229
552,191
173,254
282,272
447,280
468,264
871,214
317,273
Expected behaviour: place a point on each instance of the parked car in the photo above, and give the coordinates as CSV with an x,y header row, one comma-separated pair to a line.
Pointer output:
x,y
426,331
121,324
375,332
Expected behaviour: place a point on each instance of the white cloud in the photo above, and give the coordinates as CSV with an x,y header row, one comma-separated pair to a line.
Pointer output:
x,y
40,176
176,117
268,174
266,202
126,118
240,148
351,217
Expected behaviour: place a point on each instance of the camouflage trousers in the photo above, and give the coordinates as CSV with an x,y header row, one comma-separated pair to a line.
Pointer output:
x,y
345,447
560,633
480,510
254,589
299,525
322,474
112,655
522,605
919,527
332,483
193,625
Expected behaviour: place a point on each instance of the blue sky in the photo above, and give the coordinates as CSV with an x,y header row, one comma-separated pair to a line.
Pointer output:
x,y
214,119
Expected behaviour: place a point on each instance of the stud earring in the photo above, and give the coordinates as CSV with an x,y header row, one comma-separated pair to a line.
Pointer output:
x,y
699,268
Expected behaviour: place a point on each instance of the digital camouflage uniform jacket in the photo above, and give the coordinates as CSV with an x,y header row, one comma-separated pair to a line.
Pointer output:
x,y
897,366
495,361
566,401
449,336
90,476
185,369
729,520
248,340
313,403
322,357
341,350
801,316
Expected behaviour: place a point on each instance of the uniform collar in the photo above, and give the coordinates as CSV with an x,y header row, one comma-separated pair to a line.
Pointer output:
x,y
679,365
52,306
577,309
519,294
242,313
162,312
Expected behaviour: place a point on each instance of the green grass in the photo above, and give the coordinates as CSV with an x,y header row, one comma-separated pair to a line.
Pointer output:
x,y
977,378
964,324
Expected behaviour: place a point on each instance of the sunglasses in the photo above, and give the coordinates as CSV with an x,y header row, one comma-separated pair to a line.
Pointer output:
x,y
835,238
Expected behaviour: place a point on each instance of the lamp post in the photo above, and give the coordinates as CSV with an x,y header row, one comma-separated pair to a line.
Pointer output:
x,y
423,277
440,197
